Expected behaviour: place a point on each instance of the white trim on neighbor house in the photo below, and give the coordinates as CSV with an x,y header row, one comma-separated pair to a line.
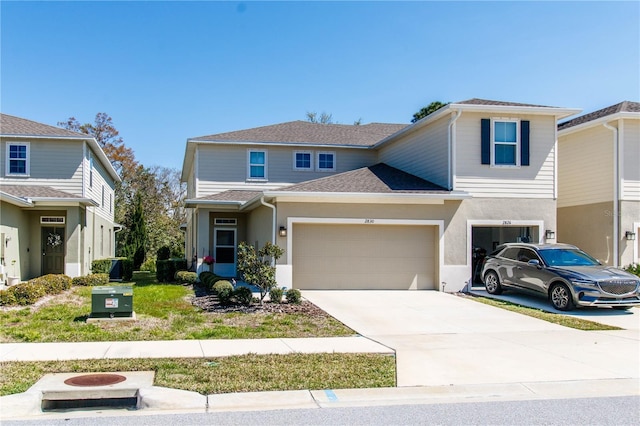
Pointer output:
x,y
636,246
333,167
363,197
72,269
285,274
265,166
295,161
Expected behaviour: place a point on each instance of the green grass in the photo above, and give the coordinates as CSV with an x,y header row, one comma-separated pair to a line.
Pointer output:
x,y
164,312
246,373
564,320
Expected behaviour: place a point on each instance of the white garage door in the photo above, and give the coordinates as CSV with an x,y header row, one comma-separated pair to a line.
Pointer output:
x,y
381,257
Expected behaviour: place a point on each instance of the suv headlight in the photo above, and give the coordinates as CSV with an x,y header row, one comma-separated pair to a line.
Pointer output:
x,y
583,282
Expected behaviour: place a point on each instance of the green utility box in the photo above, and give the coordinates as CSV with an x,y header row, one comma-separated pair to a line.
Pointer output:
x,y
116,301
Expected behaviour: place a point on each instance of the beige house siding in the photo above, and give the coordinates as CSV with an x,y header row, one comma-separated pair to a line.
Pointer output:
x,y
631,160
482,180
629,220
423,153
224,167
576,225
54,163
15,242
585,167
101,180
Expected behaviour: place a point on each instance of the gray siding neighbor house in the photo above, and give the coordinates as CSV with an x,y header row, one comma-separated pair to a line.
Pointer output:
x,y
376,206
56,201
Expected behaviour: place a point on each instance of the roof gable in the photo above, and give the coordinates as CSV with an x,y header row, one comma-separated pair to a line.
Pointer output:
x,y
16,126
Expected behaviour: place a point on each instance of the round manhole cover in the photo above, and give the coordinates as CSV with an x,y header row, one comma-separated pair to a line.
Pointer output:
x,y
95,380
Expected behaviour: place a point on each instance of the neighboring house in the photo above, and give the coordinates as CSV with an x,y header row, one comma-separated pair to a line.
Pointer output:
x,y
376,206
56,200
599,183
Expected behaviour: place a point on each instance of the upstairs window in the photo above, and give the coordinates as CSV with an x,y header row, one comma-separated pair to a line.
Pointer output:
x,y
505,142
257,167
18,158
326,161
302,160
90,170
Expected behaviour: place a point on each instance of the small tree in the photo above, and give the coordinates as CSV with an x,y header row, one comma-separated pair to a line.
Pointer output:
x,y
259,268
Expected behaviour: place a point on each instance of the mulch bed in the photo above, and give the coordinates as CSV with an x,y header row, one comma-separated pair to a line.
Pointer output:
x,y
209,302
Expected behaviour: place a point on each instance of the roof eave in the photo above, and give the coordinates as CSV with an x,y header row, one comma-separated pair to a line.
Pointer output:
x,y
63,201
355,196
559,113
599,121
287,144
15,200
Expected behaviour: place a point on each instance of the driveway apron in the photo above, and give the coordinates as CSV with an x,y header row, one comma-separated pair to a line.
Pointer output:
x,y
444,339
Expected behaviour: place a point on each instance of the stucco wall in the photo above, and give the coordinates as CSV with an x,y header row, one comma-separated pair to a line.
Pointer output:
x,y
589,227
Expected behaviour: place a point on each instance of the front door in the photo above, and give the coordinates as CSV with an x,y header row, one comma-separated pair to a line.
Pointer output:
x,y
52,250
224,247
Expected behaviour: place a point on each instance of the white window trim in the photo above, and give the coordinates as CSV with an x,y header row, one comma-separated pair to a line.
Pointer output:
x,y
303,169
27,160
90,170
266,163
494,143
318,168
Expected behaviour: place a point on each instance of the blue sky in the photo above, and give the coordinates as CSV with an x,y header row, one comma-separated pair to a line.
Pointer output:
x,y
167,71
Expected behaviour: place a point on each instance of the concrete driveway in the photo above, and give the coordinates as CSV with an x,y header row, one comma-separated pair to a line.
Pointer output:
x,y
444,339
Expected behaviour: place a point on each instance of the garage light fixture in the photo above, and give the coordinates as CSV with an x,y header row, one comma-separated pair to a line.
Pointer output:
x,y
283,231
630,235
549,234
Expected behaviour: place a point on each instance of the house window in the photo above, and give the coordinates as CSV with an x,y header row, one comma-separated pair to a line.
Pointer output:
x,y
302,160
257,165
90,170
505,143
326,161
18,158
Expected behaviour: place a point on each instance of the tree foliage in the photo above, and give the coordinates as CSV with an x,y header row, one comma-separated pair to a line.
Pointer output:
x,y
431,108
259,268
323,118
135,245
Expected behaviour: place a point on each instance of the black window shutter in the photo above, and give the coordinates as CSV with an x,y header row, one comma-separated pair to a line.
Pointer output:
x,y
524,143
485,136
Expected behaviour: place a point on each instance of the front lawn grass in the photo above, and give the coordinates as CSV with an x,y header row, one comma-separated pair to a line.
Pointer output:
x,y
164,312
564,320
246,373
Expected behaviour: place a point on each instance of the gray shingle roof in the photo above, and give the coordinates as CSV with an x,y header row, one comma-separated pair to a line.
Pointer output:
x,y
34,191
14,126
379,179
625,106
233,195
476,101
304,132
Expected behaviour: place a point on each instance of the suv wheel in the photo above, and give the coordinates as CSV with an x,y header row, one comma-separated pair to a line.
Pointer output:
x,y
492,283
561,297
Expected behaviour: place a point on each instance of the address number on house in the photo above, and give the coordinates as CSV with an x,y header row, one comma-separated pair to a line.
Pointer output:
x,y
369,221
506,222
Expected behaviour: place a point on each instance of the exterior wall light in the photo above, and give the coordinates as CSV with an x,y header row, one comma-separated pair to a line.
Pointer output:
x,y
549,234
283,231
630,235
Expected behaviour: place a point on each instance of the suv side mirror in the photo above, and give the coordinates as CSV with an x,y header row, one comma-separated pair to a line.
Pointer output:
x,y
535,262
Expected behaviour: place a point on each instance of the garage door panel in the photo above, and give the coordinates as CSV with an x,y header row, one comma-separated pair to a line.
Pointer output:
x,y
363,256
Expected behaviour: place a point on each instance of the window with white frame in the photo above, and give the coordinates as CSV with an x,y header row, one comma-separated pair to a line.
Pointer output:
x,y
303,160
257,165
18,158
90,170
505,142
326,161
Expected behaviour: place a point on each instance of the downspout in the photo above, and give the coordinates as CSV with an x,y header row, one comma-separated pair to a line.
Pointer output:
x,y
273,228
451,145
616,195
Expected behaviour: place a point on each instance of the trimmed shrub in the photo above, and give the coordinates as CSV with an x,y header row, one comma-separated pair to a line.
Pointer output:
x,y
186,277
208,279
164,253
91,280
275,295
224,291
53,283
7,297
633,269
101,266
149,265
243,295
28,293
166,269
127,268
293,296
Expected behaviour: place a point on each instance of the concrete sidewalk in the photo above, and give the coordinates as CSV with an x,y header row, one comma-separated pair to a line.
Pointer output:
x,y
186,348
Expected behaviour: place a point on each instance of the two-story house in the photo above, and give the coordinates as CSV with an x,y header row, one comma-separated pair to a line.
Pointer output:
x,y
56,200
377,206
599,183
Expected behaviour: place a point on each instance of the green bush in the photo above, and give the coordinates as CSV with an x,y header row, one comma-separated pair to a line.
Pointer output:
x,y
91,280
208,279
166,269
186,277
127,268
293,296
164,253
243,295
53,283
101,266
275,295
224,291
28,293
7,297
149,265
633,269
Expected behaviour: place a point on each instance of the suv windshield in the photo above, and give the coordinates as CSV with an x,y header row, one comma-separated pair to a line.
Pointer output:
x,y
567,257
